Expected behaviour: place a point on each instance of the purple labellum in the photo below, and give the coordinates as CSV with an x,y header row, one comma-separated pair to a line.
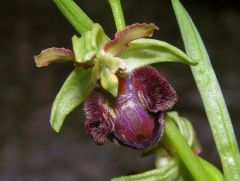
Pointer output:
x,y
134,118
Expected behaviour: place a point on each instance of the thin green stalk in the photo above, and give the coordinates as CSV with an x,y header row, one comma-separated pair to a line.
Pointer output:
x,y
117,14
75,15
211,95
184,152
213,172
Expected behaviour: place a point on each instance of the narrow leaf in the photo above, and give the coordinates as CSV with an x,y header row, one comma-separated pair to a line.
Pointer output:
x,y
148,51
128,34
52,55
168,172
74,91
211,95
109,81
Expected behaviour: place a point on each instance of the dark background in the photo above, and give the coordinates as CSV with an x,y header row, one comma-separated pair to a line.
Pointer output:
x,y
31,151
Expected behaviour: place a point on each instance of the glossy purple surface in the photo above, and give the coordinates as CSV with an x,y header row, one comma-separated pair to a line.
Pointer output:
x,y
134,118
135,126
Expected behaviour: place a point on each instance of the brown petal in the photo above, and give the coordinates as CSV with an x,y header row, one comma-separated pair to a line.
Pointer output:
x,y
52,55
128,34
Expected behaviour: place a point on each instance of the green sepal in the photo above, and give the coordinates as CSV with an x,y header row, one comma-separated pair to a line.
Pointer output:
x,y
89,45
143,52
77,87
109,81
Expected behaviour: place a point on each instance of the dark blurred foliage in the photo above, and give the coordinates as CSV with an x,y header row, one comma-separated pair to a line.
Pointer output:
x,y
31,151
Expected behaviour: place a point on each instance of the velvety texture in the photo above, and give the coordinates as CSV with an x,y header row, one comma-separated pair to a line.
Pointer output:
x,y
97,124
153,89
135,117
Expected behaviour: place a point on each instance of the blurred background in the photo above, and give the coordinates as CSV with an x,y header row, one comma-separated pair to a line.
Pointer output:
x,y
31,151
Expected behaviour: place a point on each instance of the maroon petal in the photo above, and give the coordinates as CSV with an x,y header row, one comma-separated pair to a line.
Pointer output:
x,y
153,89
97,123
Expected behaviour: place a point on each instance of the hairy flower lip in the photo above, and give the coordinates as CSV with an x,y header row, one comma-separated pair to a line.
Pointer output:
x,y
128,119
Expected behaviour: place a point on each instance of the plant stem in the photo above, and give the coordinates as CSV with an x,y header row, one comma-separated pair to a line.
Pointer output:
x,y
211,95
117,14
184,151
75,15
212,171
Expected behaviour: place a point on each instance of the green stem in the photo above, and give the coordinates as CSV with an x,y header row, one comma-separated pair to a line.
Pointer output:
x,y
211,95
184,151
75,15
117,14
212,171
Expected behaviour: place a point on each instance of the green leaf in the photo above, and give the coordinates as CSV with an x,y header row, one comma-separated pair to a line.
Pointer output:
x,y
90,43
109,81
52,55
74,91
211,95
128,34
168,172
143,52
